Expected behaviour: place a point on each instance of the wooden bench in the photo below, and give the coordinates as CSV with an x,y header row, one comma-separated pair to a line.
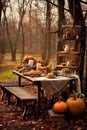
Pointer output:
x,y
22,95
9,84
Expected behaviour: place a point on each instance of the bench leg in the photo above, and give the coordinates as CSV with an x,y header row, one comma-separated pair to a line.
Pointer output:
x,y
26,108
3,93
24,112
2,96
33,107
18,102
8,97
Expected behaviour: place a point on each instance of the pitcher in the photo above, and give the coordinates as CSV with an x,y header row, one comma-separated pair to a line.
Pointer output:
x,y
66,48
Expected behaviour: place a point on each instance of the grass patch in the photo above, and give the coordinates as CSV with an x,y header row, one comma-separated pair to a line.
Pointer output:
x,y
7,76
6,68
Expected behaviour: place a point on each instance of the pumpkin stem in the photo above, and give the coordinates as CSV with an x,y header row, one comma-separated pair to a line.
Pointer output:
x,y
74,95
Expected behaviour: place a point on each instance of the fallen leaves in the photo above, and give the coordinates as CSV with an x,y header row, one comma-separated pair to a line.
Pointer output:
x,y
11,119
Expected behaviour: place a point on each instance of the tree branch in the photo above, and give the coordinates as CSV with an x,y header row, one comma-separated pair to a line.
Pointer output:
x,y
56,5
84,2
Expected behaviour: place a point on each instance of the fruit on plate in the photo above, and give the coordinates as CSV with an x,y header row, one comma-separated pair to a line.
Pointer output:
x,y
55,72
50,75
35,72
66,71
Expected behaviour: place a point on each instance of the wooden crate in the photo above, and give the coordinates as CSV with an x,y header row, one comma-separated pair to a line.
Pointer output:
x,y
55,116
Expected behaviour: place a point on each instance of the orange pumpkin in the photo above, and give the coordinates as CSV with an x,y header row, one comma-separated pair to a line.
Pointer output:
x,y
76,106
60,106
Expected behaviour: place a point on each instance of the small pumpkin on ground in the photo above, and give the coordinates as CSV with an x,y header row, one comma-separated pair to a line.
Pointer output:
x,y
60,107
76,106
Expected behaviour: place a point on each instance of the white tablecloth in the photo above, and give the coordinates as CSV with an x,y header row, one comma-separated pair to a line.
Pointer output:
x,y
56,85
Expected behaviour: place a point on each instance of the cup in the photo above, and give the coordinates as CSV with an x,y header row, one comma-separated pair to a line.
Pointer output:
x,y
30,62
38,65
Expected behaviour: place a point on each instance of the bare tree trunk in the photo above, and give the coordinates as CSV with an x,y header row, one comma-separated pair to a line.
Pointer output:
x,y
23,43
48,25
61,21
76,12
2,47
85,70
13,53
30,31
46,45
1,8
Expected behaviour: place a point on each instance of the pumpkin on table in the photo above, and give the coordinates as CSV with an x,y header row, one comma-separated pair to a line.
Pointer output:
x,y
76,106
60,107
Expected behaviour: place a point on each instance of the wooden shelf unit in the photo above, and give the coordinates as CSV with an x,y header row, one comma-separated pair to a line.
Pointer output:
x,y
70,37
63,53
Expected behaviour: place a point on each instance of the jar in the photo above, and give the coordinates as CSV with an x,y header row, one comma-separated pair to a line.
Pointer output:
x,y
66,48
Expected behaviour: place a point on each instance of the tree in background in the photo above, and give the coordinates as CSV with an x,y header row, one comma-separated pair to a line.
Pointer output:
x,y
2,31
77,14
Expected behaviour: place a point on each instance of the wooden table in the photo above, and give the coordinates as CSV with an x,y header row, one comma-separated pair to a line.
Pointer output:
x,y
38,82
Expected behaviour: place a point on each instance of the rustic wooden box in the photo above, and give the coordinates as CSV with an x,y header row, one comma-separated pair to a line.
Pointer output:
x,y
55,116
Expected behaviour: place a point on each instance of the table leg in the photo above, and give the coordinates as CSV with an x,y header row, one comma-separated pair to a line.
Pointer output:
x,y
39,100
19,80
72,85
26,108
38,84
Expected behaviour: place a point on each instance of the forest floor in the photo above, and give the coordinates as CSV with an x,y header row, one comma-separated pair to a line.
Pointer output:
x,y
11,119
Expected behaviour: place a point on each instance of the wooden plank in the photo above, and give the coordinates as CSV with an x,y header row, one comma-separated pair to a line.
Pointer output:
x,y
7,84
63,53
21,93
55,116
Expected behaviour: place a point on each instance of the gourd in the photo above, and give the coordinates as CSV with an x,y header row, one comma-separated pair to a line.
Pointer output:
x,y
55,72
50,75
66,71
60,106
76,106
